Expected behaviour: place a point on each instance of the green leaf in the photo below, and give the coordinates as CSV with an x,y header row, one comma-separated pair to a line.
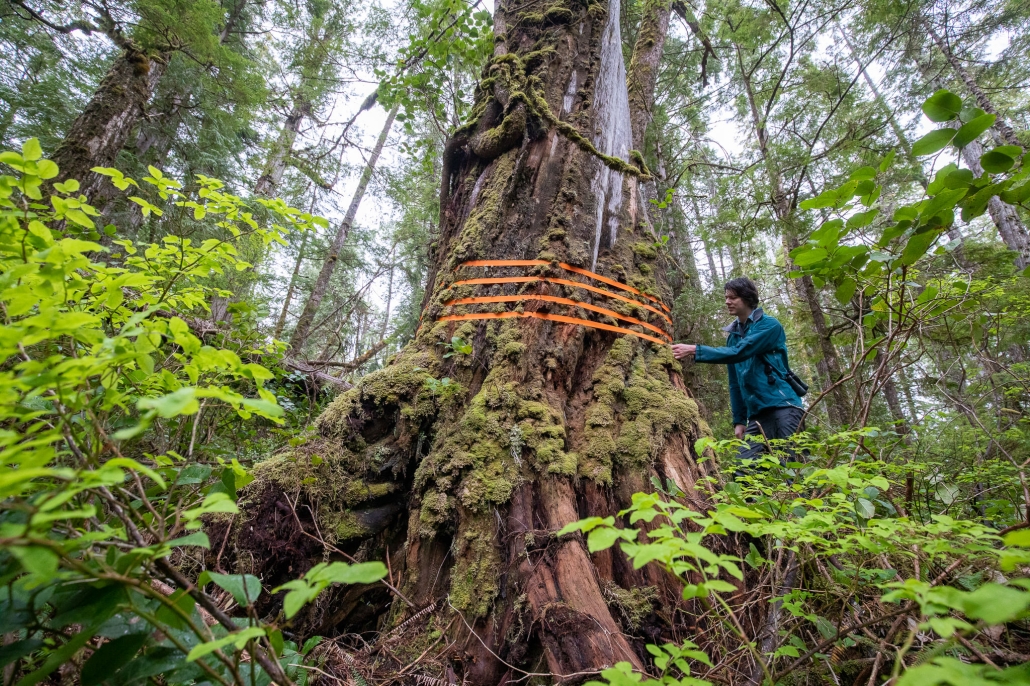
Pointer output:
x,y
862,219
996,604
182,401
971,130
996,162
933,142
720,586
863,174
602,538
806,256
845,291
31,150
942,106
197,539
245,588
238,639
48,170
181,600
825,199
111,657
360,573
1018,539
864,508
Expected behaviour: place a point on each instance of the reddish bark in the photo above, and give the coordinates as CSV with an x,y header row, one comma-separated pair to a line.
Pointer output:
x,y
544,423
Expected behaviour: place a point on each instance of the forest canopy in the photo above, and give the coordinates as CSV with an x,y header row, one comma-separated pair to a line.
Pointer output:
x,y
335,342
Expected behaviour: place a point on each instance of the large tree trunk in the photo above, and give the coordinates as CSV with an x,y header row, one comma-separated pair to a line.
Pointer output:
x,y
99,133
307,316
465,483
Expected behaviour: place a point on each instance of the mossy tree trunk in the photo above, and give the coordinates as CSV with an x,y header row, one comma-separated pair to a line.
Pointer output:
x,y
460,468
102,129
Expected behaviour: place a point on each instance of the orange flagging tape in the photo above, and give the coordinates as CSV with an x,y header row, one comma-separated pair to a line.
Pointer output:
x,y
563,282
560,301
553,318
566,267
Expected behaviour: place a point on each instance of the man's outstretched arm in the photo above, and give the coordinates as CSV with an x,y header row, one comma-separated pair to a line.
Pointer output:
x,y
760,339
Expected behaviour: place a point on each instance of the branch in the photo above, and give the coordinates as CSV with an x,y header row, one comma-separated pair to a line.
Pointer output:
x,y
691,21
78,25
353,364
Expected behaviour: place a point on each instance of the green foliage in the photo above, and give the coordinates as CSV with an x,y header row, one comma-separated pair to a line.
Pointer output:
x,y
100,360
913,228
839,517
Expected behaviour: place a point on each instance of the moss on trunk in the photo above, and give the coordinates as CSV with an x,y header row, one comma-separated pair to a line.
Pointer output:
x,y
466,481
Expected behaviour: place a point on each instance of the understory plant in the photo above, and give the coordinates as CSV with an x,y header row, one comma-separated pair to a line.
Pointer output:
x,y
109,364
852,586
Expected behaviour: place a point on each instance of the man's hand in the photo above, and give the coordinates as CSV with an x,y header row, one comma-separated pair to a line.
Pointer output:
x,y
681,350
738,431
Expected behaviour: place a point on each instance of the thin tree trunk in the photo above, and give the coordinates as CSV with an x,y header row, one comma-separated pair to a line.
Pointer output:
x,y
805,288
278,156
389,296
899,132
102,129
906,389
1000,125
711,267
288,298
300,334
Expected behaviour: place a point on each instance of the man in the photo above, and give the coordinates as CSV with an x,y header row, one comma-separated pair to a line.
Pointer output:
x,y
756,356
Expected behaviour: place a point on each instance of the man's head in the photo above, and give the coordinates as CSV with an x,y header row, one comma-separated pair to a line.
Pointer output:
x,y
741,296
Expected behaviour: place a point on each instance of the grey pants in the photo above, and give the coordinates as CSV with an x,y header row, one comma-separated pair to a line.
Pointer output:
x,y
776,422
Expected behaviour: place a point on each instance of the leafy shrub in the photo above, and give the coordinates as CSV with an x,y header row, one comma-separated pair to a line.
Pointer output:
x,y
101,362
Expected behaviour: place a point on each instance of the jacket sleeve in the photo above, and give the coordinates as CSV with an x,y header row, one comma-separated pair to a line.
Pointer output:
x,y
736,399
761,339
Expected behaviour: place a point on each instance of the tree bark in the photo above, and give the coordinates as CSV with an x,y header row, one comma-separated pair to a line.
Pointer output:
x,y
545,422
643,67
275,166
102,129
288,298
303,329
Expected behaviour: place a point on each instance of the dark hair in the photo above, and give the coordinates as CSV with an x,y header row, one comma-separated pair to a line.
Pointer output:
x,y
745,289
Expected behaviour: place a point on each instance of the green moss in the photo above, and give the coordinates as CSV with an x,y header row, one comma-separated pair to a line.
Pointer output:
x,y
635,409
486,212
645,250
347,527
513,349
558,15
476,572
402,381
633,606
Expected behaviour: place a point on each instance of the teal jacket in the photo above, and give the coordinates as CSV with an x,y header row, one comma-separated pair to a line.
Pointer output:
x,y
753,385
